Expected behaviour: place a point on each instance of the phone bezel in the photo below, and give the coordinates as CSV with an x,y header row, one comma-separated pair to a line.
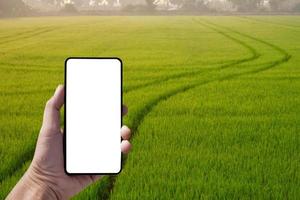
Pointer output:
x,y
65,108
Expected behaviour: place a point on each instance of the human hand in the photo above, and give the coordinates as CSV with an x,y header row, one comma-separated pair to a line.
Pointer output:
x,y
45,177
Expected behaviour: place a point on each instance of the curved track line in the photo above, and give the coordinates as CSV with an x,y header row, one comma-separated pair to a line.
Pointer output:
x,y
36,67
286,55
36,91
20,33
147,110
254,55
144,112
293,27
167,78
31,69
15,36
26,155
45,30
139,117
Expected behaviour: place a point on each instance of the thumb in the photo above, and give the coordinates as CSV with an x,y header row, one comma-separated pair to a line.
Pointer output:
x,y
51,120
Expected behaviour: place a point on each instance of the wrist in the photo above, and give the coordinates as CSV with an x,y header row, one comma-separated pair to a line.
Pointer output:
x,y
39,186
32,187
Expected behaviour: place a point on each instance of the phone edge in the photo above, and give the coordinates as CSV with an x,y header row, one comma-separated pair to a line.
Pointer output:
x,y
65,108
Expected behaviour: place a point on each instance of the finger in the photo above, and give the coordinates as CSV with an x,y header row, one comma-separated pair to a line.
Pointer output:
x,y
125,133
125,146
124,110
86,180
51,118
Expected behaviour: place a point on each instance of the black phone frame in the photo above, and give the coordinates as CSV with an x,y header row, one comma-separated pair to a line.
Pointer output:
x,y
65,109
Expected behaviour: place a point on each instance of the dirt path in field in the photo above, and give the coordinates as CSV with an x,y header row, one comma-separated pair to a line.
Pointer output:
x,y
142,113
254,55
292,27
26,35
36,32
15,166
145,111
285,55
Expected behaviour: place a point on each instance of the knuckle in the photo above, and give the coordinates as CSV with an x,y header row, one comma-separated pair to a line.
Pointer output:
x,y
49,103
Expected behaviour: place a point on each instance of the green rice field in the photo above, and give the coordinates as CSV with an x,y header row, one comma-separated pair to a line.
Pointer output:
x,y
214,101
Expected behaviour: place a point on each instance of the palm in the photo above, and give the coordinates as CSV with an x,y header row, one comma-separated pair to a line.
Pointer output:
x,y
49,163
46,177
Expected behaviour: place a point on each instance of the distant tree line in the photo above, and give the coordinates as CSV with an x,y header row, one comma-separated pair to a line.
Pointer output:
x,y
271,5
12,7
235,5
21,7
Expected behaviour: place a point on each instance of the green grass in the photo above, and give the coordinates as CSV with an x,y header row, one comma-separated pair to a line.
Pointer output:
x,y
214,102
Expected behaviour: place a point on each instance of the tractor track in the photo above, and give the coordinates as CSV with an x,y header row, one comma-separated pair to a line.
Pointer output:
x,y
285,58
286,55
139,119
29,92
254,55
293,27
28,154
143,112
147,109
31,69
34,33
17,35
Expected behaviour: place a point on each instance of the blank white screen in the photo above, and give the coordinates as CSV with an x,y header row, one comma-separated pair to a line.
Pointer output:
x,y
93,115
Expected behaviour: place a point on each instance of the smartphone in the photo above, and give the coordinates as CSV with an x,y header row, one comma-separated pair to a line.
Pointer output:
x,y
93,104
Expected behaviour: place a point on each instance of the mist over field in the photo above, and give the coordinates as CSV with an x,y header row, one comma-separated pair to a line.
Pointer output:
x,y
40,7
213,101
212,88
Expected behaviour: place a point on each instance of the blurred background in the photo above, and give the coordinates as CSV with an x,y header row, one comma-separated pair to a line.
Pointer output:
x,y
60,7
212,87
